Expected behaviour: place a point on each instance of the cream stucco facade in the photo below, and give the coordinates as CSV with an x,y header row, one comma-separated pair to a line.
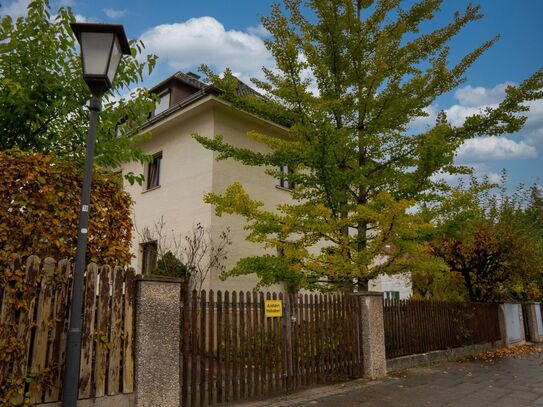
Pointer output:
x,y
188,171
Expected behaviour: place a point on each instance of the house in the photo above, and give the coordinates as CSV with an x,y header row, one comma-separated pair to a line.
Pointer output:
x,y
183,171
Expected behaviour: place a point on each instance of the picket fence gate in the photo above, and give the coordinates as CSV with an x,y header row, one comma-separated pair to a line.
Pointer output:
x,y
231,351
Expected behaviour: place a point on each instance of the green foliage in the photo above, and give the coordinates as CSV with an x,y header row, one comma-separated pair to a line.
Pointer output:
x,y
350,77
39,202
170,266
43,95
493,243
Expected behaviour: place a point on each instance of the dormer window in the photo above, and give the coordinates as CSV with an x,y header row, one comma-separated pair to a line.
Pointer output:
x,y
163,103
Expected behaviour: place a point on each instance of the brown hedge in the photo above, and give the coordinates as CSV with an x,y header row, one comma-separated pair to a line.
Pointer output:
x,y
39,210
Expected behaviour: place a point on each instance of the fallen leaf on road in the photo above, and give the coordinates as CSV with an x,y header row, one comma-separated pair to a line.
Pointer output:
x,y
516,352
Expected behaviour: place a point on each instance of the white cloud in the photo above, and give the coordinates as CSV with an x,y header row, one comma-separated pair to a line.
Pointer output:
x,y
15,9
471,101
204,40
479,96
535,138
114,13
494,148
259,30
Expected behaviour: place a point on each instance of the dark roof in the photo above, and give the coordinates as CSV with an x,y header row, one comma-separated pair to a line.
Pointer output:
x,y
194,81
201,89
190,79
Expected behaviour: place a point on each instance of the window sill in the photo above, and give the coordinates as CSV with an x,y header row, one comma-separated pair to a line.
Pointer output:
x,y
283,188
150,189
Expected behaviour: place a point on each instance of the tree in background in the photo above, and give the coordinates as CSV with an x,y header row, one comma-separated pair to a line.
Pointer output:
x,y
43,97
350,77
495,245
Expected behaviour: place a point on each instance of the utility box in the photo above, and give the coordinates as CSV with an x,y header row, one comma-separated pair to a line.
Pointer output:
x,y
511,324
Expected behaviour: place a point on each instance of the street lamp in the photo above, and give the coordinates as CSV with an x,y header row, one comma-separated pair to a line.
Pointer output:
x,y
102,47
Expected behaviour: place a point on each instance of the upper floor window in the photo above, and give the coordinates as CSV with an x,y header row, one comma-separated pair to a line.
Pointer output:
x,y
153,172
283,181
163,103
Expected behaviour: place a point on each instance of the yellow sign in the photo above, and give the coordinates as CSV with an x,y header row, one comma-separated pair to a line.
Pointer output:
x,y
273,308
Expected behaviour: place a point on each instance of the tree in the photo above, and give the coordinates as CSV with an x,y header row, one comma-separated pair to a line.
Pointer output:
x,y
43,97
495,248
350,77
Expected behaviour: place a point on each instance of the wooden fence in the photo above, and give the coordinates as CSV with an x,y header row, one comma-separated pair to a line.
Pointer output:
x,y
231,351
107,355
420,326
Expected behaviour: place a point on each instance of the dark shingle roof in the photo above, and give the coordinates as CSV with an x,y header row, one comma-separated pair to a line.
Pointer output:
x,y
192,80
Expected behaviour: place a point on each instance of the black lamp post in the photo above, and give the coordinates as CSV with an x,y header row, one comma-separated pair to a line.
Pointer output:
x,y
102,47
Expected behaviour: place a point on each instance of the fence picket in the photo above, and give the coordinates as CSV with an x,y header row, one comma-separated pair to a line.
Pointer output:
x,y
235,349
220,344
211,385
26,316
114,365
194,347
39,350
58,330
128,331
203,311
242,345
87,333
102,332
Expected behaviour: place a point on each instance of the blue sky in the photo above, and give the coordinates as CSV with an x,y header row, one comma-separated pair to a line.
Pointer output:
x,y
223,34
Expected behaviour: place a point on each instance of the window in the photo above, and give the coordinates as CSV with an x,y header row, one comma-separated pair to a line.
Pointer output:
x,y
149,254
282,181
163,103
392,295
153,172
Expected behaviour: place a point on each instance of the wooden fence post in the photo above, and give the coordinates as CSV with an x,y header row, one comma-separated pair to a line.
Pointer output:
x,y
158,312
373,333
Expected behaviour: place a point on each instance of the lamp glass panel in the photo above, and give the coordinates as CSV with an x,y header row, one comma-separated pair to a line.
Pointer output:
x,y
116,55
95,48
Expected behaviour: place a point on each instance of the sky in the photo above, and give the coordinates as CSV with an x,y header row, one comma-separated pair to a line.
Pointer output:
x,y
219,33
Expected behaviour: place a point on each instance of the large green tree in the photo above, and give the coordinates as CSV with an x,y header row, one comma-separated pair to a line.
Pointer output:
x,y
43,97
350,77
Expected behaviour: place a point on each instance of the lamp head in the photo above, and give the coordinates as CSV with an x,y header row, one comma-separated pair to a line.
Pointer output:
x,y
102,47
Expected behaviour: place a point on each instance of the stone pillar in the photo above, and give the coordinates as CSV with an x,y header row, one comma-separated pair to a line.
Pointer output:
x,y
511,324
157,337
535,323
373,334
